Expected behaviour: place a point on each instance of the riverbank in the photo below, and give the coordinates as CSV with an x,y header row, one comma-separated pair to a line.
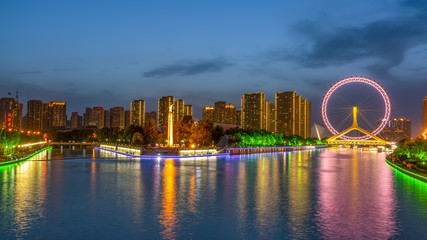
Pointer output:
x,y
410,172
24,158
203,152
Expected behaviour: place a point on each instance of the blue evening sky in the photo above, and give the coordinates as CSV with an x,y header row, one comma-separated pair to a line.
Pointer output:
x,y
108,53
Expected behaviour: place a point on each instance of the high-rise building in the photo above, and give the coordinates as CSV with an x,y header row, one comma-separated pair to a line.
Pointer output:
x,y
46,117
34,115
286,112
137,112
293,114
266,116
76,122
151,115
253,111
58,114
98,117
188,110
304,131
117,117
88,118
208,113
239,117
127,118
178,110
272,111
230,115
396,129
106,118
298,115
18,116
163,110
308,120
219,112
7,113
425,114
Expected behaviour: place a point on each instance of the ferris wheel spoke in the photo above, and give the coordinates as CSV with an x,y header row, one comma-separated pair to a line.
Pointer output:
x,y
367,121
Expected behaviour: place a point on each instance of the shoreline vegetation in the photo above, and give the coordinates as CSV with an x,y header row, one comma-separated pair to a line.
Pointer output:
x,y
410,157
24,158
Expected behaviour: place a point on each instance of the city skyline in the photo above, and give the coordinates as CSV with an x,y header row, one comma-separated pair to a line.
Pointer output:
x,y
205,52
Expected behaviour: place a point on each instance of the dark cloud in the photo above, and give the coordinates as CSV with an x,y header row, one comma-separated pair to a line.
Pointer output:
x,y
188,68
67,69
385,42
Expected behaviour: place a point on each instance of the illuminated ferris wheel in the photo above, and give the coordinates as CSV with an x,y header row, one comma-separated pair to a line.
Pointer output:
x,y
358,96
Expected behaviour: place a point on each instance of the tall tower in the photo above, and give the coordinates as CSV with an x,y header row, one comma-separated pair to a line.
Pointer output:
x,y
170,126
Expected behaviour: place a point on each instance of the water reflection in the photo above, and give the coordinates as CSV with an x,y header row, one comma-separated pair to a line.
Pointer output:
x,y
337,194
356,196
168,212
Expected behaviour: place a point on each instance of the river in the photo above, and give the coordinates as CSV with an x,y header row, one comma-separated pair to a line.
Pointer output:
x,y
329,194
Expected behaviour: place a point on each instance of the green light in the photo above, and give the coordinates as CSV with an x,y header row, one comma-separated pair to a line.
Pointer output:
x,y
409,173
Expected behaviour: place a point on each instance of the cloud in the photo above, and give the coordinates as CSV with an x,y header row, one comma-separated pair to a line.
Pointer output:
x,y
187,68
383,42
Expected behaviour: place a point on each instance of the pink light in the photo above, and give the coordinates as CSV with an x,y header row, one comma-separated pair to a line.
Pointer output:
x,y
353,80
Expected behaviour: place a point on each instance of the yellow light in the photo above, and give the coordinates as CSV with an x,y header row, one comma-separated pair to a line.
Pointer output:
x,y
192,145
425,134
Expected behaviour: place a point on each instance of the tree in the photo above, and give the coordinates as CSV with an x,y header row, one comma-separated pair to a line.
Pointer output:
x,y
151,132
137,138
182,131
201,132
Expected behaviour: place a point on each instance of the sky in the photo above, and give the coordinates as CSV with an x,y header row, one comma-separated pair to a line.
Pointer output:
x,y
108,53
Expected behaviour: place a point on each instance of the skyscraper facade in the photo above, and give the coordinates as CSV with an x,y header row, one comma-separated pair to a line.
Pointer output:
x,y
230,115
208,113
188,110
137,112
285,112
98,117
34,115
117,117
178,110
163,110
219,112
75,120
7,113
253,111
396,129
58,114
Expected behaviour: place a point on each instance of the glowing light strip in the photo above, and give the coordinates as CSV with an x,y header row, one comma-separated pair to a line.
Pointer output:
x,y
409,173
352,80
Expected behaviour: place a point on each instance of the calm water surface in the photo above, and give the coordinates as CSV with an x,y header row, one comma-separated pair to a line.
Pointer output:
x,y
329,194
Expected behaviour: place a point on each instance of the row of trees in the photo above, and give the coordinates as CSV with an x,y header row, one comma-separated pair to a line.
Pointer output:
x,y
201,133
411,152
262,138
10,140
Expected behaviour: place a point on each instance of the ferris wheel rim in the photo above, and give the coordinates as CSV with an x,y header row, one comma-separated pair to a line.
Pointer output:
x,y
364,80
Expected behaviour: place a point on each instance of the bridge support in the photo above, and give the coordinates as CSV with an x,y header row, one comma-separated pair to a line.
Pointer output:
x,y
377,141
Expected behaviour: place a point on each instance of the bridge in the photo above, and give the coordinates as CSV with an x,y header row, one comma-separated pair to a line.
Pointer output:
x,y
373,141
73,144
